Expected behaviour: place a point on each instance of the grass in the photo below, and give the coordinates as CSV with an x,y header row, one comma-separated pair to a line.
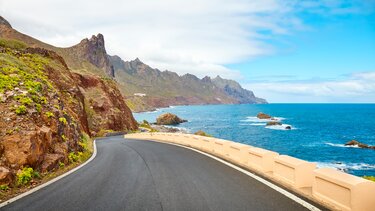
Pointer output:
x,y
202,133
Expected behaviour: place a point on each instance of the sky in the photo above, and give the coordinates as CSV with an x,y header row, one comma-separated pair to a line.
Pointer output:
x,y
288,51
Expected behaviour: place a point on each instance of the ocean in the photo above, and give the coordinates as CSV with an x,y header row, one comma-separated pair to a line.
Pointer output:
x,y
318,134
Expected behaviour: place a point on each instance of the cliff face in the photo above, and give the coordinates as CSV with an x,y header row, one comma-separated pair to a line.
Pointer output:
x,y
105,106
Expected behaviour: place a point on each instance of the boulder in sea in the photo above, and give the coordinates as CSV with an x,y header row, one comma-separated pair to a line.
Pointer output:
x,y
359,144
169,119
288,127
272,123
263,116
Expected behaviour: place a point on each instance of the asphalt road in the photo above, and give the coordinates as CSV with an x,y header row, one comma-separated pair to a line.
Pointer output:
x,y
144,175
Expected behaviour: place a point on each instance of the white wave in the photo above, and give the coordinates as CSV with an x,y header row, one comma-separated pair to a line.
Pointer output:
x,y
256,119
253,124
346,166
342,145
280,127
258,124
178,128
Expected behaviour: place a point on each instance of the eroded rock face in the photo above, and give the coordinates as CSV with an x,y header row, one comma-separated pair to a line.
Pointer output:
x,y
169,119
263,116
105,105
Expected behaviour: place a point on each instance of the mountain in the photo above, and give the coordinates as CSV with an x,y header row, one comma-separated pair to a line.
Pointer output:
x,y
165,88
145,88
47,110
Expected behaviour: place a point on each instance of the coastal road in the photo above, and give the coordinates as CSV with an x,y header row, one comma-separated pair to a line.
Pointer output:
x,y
145,175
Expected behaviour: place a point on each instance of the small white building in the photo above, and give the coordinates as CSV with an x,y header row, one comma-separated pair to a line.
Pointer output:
x,y
140,94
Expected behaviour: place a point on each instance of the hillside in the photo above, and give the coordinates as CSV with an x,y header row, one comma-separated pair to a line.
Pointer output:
x,y
47,111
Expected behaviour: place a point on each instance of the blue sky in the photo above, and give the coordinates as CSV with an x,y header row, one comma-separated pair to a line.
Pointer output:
x,y
332,48
283,50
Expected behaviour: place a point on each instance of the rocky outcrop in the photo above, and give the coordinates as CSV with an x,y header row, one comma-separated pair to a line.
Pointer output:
x,y
359,144
273,123
169,119
93,50
263,116
106,108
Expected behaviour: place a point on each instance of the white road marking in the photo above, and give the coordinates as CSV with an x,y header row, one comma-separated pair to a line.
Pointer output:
x,y
269,184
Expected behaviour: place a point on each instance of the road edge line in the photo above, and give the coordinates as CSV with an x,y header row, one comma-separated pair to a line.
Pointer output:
x,y
52,180
282,191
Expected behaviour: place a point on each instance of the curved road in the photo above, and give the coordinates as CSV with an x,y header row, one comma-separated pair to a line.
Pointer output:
x,y
144,175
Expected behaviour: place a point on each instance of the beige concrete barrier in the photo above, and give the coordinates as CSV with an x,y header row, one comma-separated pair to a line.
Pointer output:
x,y
326,186
345,191
293,171
261,160
237,152
220,147
207,144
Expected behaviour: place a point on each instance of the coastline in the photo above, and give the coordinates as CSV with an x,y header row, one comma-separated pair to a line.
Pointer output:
x,y
317,128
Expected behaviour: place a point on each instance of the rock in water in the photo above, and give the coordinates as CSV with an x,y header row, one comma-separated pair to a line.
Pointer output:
x,y
263,116
359,144
272,123
288,128
169,119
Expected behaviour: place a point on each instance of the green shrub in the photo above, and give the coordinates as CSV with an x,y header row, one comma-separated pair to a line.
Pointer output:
x,y
21,110
72,157
25,176
202,133
371,178
61,165
64,137
63,120
4,187
49,114
15,44
38,107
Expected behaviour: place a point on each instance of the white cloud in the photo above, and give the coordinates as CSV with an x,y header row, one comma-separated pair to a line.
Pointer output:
x,y
358,87
183,36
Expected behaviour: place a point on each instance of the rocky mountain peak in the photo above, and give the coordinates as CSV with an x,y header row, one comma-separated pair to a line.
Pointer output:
x,y
93,50
206,79
3,21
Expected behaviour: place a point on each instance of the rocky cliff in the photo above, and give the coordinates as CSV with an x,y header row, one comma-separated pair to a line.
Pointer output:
x,y
46,109
93,51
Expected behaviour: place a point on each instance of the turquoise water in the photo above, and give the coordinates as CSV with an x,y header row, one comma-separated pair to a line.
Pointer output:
x,y
319,131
